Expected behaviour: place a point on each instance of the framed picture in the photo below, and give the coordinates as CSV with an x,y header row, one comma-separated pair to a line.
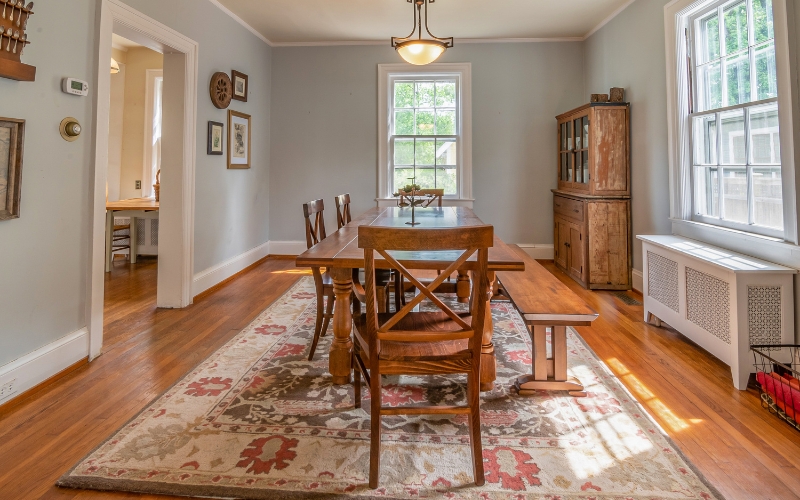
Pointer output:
x,y
12,138
239,134
239,81
216,138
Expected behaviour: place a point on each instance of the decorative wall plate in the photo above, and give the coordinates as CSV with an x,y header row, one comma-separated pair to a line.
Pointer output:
x,y
221,90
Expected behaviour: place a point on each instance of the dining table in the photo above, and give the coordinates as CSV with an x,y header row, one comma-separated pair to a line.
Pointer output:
x,y
133,208
340,254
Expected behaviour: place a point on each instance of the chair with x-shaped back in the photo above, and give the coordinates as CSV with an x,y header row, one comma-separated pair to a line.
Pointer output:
x,y
422,343
313,211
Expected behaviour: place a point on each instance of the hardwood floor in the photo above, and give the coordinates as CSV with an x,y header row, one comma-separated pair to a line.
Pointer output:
x,y
745,452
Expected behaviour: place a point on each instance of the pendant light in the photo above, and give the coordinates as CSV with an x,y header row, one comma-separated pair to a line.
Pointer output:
x,y
421,51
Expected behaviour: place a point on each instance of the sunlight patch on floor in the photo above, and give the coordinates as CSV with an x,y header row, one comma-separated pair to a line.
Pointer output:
x,y
294,271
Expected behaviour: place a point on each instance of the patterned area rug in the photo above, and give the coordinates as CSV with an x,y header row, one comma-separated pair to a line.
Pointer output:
x,y
257,420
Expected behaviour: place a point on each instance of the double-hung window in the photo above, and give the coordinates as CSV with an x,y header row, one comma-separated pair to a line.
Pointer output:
x,y
735,141
425,130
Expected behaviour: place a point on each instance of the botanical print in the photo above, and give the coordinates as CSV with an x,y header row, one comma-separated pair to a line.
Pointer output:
x,y
216,138
5,164
239,140
257,417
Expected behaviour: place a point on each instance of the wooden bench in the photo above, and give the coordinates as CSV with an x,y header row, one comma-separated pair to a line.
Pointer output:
x,y
545,302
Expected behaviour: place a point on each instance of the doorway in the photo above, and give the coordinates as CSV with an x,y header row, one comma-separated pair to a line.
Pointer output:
x,y
178,146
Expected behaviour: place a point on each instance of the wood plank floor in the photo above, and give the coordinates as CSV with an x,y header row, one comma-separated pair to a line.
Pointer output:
x,y
745,452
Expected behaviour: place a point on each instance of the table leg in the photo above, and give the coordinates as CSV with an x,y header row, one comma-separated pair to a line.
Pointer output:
x,y
109,238
462,287
339,362
133,241
549,374
488,362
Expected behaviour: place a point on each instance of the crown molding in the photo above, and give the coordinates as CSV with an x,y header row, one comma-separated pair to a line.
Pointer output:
x,y
242,22
609,18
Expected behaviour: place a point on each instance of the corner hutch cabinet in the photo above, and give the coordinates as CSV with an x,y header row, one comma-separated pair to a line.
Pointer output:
x,y
592,204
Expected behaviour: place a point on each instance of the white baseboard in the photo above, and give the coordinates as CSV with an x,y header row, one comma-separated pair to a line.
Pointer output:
x,y
539,251
215,274
36,367
287,247
638,281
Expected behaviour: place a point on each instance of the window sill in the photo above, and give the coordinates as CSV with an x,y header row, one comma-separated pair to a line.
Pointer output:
x,y
762,247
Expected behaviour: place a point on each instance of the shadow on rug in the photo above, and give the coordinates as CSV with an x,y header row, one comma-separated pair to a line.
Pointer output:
x,y
256,420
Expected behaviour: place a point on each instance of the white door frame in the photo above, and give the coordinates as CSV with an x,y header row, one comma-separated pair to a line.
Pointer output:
x,y
176,232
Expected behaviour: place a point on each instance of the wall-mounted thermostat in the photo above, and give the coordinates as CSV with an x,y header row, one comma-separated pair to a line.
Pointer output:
x,y
74,87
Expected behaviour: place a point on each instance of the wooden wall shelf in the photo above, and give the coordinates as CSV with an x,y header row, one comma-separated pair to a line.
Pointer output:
x,y
17,71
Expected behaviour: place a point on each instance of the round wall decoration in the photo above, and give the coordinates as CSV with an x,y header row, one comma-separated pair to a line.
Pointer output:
x,y
221,90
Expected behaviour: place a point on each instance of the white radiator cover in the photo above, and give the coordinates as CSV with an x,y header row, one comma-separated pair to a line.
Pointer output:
x,y
723,301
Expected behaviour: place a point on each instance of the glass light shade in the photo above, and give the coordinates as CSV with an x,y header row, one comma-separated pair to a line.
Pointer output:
x,y
420,52
114,67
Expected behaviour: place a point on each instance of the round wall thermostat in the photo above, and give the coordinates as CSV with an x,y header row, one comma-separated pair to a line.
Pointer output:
x,y
70,129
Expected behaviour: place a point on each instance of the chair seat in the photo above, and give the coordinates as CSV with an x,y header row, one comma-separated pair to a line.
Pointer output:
x,y
420,351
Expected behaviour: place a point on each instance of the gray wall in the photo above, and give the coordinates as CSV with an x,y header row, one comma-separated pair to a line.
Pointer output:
x,y
324,113
43,255
629,52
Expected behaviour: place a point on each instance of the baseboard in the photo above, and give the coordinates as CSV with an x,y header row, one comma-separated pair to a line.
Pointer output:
x,y
216,274
32,369
540,251
638,281
287,247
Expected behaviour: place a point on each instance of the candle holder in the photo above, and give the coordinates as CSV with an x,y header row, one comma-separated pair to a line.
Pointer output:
x,y
411,191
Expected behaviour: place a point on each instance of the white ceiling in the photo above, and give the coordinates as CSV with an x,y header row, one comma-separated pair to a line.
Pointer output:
x,y
122,44
318,21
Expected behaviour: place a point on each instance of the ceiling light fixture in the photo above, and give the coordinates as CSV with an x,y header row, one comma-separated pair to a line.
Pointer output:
x,y
421,51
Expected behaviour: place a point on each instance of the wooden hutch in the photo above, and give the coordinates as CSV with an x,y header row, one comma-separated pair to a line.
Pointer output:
x,y
592,205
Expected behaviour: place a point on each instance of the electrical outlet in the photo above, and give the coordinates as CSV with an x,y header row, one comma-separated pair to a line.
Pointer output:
x,y
7,389
138,184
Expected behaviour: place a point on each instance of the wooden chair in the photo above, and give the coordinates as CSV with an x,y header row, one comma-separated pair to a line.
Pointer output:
x,y
118,237
315,232
436,195
421,343
343,210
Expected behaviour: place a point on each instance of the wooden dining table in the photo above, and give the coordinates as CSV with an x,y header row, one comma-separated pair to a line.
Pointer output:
x,y
339,252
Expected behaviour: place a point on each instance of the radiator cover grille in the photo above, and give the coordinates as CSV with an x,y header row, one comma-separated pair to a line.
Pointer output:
x,y
708,303
662,280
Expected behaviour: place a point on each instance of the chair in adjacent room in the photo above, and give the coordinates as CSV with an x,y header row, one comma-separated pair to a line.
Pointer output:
x,y
121,239
422,343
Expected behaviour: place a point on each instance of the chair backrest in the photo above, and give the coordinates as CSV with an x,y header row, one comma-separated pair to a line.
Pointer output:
x,y
436,196
315,231
343,210
463,242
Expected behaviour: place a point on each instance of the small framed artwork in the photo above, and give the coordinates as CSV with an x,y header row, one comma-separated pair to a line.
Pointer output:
x,y
239,134
240,89
216,138
12,138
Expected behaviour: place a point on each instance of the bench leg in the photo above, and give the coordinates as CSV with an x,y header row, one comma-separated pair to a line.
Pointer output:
x,y
488,361
549,374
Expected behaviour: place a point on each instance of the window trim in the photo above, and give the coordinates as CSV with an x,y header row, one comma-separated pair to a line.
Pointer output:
x,y
389,72
677,15
148,179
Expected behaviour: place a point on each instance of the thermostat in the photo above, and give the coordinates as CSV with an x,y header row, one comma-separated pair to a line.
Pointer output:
x,y
74,87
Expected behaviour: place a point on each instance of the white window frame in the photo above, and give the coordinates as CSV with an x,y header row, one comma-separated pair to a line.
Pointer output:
x,y
148,176
678,15
387,74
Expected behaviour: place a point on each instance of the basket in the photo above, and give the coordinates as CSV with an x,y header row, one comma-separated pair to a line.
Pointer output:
x,y
778,377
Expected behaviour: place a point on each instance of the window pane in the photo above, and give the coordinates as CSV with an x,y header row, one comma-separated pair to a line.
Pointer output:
x,y
564,166
734,192
585,131
570,166
733,146
404,122
578,134
426,178
767,196
709,86
401,177
578,165
762,20
563,137
737,74
425,91
445,122
425,122
585,166
706,185
446,152
766,79
709,38
404,95
446,94
705,140
569,135
446,179
404,152
764,137
425,152
735,26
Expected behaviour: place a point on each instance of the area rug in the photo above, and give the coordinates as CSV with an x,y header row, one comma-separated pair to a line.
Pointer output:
x,y
256,420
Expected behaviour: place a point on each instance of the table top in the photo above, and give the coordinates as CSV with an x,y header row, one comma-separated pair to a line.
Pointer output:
x,y
340,249
133,204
